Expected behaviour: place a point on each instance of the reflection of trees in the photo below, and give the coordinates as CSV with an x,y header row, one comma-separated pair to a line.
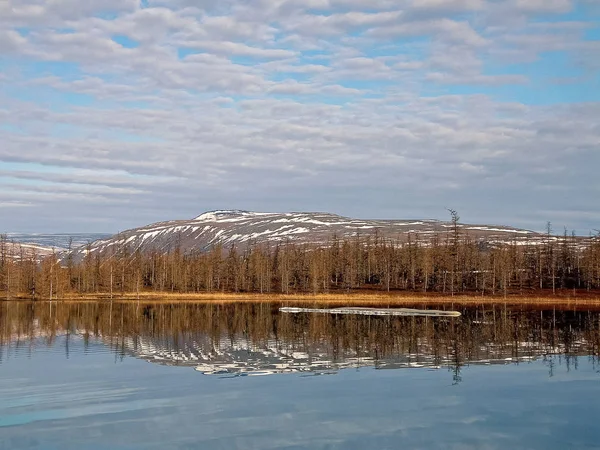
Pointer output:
x,y
487,334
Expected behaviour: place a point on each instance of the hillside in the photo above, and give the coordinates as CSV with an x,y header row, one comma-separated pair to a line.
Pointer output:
x,y
242,228
57,241
38,245
24,251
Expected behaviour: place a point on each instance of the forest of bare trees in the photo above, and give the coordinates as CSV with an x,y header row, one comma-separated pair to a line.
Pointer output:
x,y
452,263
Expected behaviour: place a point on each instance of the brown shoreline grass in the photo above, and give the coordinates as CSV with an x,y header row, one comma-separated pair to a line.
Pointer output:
x,y
562,300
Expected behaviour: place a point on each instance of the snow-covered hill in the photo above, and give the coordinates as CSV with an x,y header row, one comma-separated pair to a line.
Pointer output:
x,y
38,246
241,228
57,241
25,251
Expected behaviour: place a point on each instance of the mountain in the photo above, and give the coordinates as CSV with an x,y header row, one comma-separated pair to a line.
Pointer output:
x,y
38,246
57,241
24,251
242,228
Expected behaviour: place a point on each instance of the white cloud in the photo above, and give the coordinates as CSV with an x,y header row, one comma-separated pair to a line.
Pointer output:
x,y
449,5
444,29
542,6
270,102
489,80
11,42
239,49
45,12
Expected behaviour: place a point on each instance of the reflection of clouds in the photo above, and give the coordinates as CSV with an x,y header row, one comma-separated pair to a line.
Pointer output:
x,y
133,405
86,403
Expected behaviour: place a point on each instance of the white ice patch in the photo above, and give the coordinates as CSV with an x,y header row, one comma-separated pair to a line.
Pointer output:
x,y
410,223
362,227
503,230
294,231
233,238
150,235
364,311
228,215
217,234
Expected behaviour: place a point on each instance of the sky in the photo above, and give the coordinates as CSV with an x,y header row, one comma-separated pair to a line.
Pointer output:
x,y
119,113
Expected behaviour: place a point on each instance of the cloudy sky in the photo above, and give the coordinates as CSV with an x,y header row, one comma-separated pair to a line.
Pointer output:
x,y
117,113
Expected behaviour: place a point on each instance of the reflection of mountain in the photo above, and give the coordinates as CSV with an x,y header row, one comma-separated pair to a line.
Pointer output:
x,y
245,339
243,358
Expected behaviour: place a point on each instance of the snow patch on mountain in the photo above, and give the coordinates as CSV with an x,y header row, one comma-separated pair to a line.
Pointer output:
x,y
243,228
227,215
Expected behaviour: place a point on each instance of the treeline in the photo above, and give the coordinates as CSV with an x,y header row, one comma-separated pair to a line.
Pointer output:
x,y
450,264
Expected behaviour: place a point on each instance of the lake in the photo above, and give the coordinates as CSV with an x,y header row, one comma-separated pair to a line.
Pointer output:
x,y
247,376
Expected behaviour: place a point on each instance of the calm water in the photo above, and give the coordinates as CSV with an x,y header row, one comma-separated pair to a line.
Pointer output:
x,y
76,376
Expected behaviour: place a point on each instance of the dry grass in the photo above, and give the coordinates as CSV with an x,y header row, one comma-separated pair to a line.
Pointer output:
x,y
564,300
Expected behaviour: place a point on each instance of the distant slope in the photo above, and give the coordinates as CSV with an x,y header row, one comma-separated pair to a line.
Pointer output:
x,y
38,246
24,251
58,241
242,228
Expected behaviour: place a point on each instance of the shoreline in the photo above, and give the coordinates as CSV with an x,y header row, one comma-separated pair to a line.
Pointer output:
x,y
348,299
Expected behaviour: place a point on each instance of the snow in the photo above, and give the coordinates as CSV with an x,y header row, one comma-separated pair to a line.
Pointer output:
x,y
218,215
151,234
411,223
265,233
294,231
503,230
233,237
316,222
217,234
208,217
236,227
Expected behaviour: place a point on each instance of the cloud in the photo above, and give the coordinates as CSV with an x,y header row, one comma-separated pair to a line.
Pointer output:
x,y
444,29
11,42
449,5
335,24
542,6
14,204
32,12
239,49
367,108
486,80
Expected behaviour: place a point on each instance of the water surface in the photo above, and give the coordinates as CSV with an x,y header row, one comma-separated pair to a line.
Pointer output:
x,y
131,376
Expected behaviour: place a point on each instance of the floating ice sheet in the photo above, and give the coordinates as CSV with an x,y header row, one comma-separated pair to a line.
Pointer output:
x,y
373,311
